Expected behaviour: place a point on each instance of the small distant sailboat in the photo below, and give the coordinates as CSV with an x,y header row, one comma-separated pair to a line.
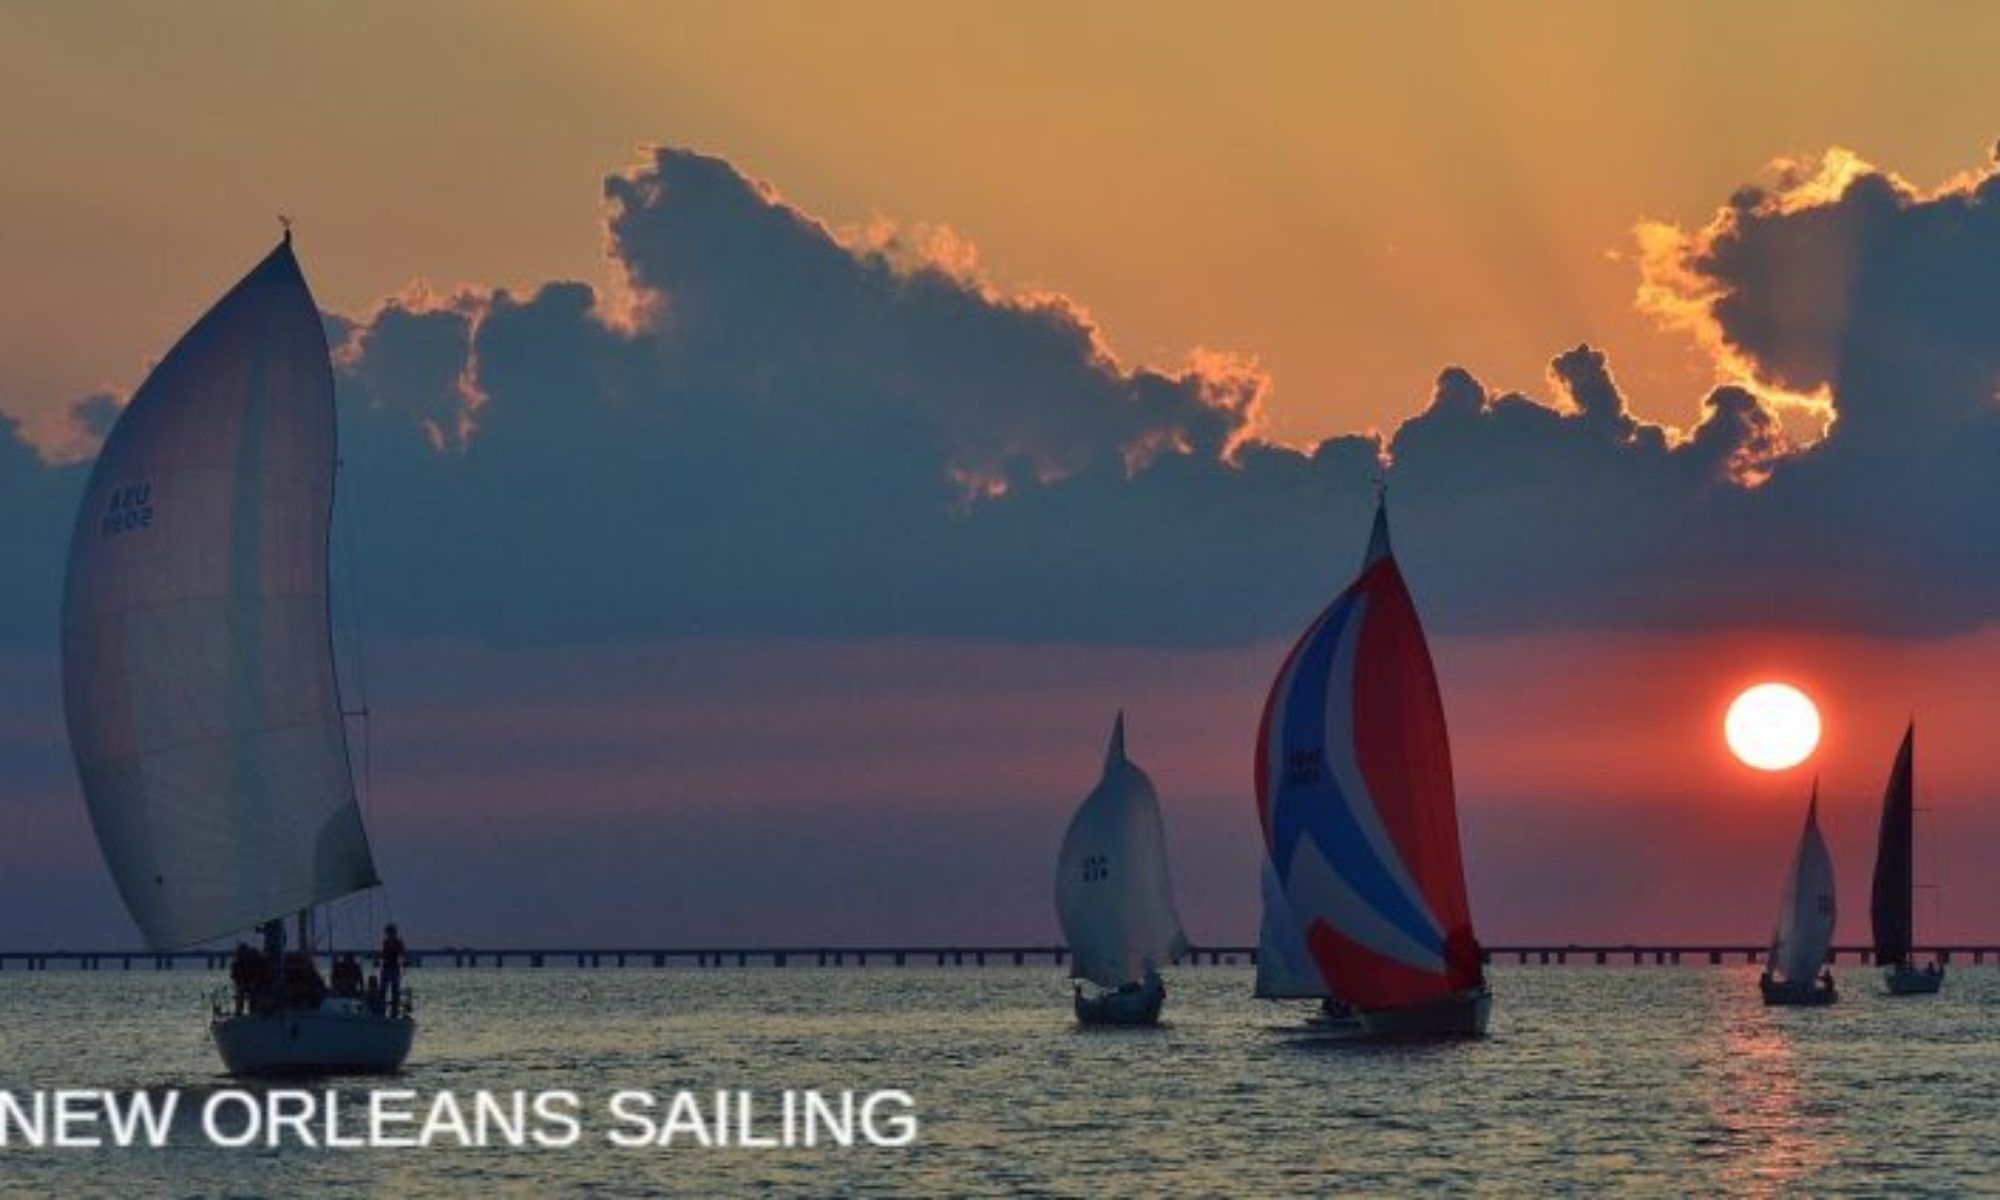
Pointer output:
x,y
1892,906
1797,974
1115,895
199,682
1364,888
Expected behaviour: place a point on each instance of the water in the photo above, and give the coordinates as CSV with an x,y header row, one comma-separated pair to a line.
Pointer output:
x,y
1649,1080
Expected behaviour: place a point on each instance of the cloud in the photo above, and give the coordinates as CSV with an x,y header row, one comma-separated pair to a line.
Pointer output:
x,y
793,434
769,427
1843,276
37,503
1840,278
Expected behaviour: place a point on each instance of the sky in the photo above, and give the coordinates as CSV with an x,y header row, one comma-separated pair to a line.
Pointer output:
x,y
777,440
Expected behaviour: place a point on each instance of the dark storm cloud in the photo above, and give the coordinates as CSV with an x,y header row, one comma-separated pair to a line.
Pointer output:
x,y
774,428
779,432
37,503
1844,278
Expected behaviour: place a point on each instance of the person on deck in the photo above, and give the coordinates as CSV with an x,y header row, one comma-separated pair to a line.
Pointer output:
x,y
346,977
244,969
299,984
392,967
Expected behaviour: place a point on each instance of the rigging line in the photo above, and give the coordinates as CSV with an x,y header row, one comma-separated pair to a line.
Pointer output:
x,y
358,652
350,554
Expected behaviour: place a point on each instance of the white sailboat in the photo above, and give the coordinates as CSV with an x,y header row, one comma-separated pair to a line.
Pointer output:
x,y
1797,974
198,675
1115,895
1365,904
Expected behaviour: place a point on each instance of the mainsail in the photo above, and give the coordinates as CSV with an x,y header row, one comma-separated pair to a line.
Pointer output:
x,y
1364,885
198,673
1114,894
1285,968
1805,907
1895,861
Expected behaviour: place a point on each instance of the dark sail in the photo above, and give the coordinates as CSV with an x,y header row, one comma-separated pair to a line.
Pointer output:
x,y
1895,862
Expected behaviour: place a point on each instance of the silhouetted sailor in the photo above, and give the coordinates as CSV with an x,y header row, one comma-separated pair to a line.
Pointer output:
x,y
392,966
346,977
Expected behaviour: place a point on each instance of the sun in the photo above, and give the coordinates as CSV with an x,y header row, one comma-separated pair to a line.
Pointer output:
x,y
1772,726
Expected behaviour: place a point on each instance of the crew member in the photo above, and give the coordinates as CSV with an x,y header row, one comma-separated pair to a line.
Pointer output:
x,y
392,967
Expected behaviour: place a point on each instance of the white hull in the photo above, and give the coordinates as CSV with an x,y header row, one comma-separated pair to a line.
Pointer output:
x,y
342,1038
1464,1015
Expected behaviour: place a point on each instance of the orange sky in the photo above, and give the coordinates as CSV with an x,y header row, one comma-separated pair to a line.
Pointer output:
x,y
1356,194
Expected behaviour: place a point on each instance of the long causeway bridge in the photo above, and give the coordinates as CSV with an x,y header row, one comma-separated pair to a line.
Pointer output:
x,y
470,958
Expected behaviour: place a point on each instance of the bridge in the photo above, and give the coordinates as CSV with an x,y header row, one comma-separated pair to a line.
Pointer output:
x,y
713,957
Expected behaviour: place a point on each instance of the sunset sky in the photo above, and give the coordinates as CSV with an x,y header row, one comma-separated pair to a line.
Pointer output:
x,y
778,438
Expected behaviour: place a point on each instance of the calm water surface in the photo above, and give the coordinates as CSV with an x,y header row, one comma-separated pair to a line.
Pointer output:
x,y
1650,1080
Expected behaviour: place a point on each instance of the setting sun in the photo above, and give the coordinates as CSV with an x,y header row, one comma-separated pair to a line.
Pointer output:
x,y
1772,726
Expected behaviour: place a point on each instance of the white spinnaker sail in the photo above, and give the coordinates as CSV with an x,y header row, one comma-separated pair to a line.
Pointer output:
x,y
1114,893
198,674
1806,907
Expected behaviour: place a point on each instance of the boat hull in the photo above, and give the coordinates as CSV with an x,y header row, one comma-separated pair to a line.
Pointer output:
x,y
337,1039
1464,1015
1797,995
1140,1006
1905,980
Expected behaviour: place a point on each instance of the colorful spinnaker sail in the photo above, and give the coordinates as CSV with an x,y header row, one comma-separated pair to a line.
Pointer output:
x,y
198,673
1363,882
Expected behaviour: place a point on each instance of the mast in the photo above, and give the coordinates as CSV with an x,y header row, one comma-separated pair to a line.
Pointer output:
x,y
1378,533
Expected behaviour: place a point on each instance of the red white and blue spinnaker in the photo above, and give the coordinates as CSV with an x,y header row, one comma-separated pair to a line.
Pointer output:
x,y
1364,887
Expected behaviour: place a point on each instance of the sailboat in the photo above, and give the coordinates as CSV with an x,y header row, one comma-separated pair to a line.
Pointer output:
x,y
1363,885
1797,974
1891,901
199,683
1115,895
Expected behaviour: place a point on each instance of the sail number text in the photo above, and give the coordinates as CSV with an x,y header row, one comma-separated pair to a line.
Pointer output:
x,y
131,508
